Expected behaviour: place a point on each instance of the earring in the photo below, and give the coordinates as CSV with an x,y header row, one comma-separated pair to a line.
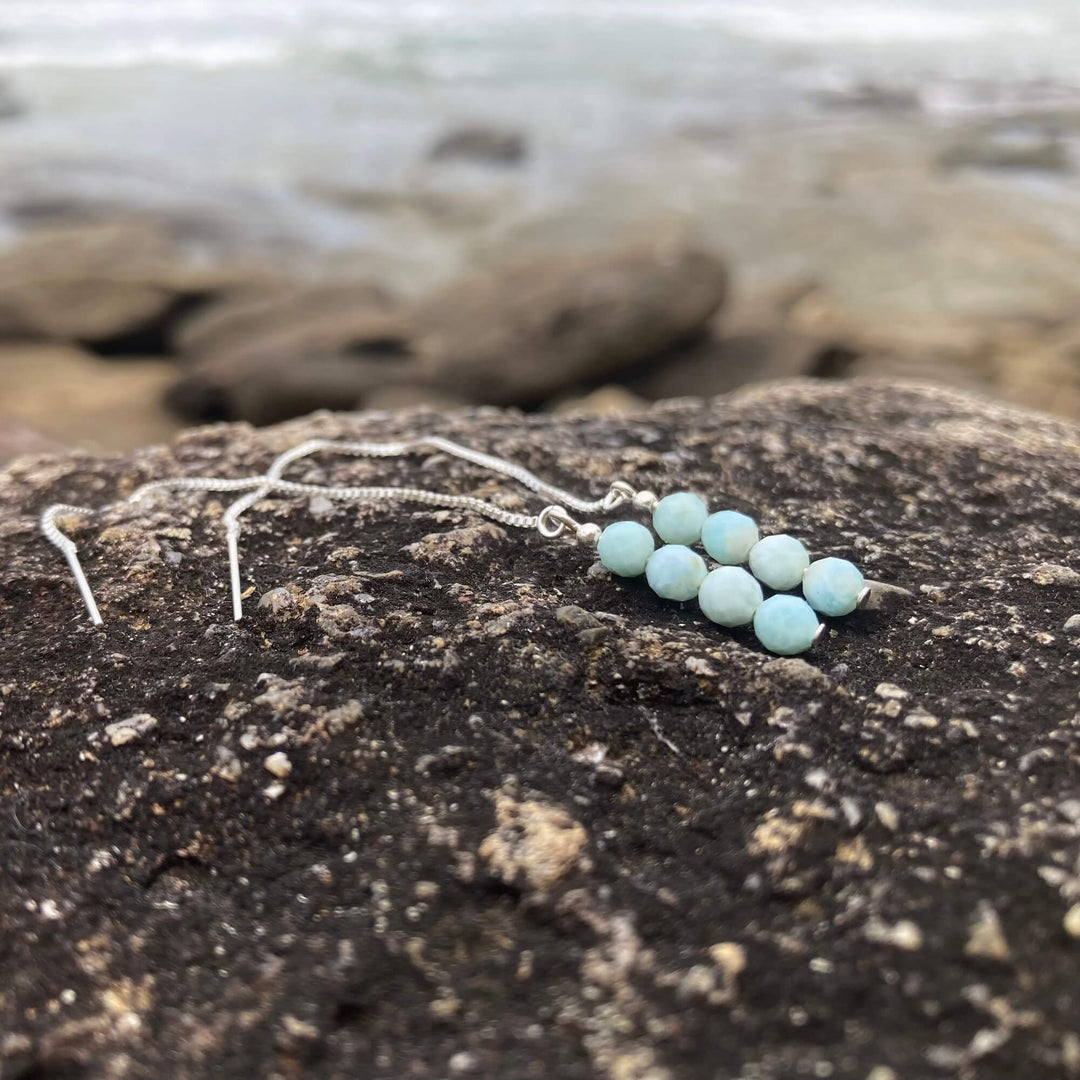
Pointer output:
x,y
727,594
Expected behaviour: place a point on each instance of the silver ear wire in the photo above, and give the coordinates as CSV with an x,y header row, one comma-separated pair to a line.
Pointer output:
x,y
71,552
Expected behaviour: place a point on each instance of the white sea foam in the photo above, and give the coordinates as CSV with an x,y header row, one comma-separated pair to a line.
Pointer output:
x,y
108,33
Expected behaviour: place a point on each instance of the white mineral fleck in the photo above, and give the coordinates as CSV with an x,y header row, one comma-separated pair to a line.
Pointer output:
x,y
278,764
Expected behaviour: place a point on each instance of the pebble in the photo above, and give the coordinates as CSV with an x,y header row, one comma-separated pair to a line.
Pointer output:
x,y
130,730
1072,624
278,764
987,938
577,617
887,815
1071,921
1053,574
890,691
463,1062
904,934
274,791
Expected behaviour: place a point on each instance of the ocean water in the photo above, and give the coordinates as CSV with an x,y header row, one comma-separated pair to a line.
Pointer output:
x,y
308,122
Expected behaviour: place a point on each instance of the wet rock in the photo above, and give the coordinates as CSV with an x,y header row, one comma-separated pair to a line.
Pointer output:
x,y
612,855
716,366
484,145
117,287
279,315
1026,149
534,328
288,351
868,97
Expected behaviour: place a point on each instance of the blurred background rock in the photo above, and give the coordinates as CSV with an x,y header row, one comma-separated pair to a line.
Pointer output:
x,y
222,209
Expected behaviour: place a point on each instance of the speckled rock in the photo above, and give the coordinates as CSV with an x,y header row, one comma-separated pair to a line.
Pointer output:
x,y
509,845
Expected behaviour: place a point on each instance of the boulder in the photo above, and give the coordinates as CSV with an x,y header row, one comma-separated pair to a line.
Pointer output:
x,y
114,287
519,335
271,356
718,365
282,314
451,802
532,329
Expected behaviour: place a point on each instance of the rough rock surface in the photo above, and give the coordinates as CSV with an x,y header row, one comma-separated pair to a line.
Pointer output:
x,y
530,821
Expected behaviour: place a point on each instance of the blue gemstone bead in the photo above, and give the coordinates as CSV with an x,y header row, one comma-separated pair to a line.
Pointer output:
x,y
832,586
678,518
675,572
729,596
728,536
785,624
779,561
625,547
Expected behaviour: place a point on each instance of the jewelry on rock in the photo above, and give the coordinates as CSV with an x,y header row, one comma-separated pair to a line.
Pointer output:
x,y
728,595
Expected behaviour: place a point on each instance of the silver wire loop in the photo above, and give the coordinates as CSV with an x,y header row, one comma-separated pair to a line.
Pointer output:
x,y
618,495
553,521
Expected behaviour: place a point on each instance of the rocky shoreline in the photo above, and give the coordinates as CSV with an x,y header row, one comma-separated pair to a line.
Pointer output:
x,y
460,806
847,248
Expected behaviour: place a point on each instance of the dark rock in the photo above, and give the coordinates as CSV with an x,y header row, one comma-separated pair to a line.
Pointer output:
x,y
11,105
282,315
499,851
1026,149
287,385
290,350
516,336
868,97
716,366
531,329
486,145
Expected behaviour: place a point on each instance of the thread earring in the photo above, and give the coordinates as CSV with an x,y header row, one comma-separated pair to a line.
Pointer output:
x,y
728,594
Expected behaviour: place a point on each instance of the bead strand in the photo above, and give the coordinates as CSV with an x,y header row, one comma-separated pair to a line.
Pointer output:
x,y
728,594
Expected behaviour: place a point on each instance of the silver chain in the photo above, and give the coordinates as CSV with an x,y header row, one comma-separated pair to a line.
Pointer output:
x,y
552,521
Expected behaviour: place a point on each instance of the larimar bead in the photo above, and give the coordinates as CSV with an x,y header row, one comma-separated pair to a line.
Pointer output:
x,y
675,572
728,536
832,586
779,561
624,548
729,596
678,518
786,624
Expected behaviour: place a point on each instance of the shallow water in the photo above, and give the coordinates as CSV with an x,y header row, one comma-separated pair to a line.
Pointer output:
x,y
306,123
